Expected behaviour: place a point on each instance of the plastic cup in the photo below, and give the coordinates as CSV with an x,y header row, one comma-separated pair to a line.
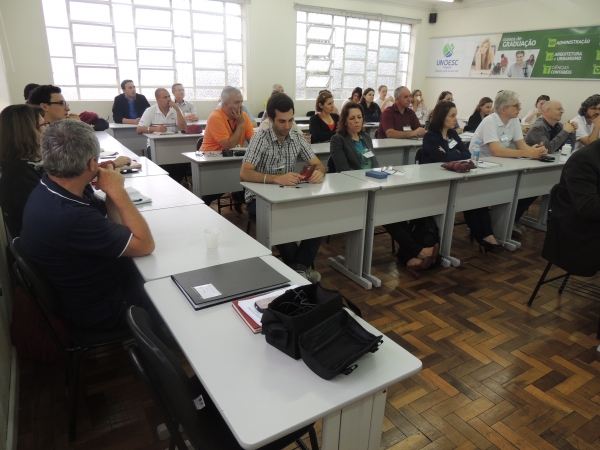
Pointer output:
x,y
211,235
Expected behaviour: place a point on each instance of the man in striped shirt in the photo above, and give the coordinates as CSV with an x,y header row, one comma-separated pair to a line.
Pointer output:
x,y
270,158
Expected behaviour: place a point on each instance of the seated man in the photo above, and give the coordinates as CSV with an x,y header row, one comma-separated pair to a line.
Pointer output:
x,y
588,119
162,117
399,121
80,243
187,108
129,106
50,99
500,135
548,130
227,127
572,241
270,158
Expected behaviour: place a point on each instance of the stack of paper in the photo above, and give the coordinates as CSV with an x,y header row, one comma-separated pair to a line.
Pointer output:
x,y
135,196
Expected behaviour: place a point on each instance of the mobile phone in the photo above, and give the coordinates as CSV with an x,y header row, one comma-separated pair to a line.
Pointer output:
x,y
547,158
307,172
261,305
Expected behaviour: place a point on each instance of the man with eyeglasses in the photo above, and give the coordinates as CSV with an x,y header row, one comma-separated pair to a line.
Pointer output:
x,y
129,106
588,119
51,100
548,130
500,135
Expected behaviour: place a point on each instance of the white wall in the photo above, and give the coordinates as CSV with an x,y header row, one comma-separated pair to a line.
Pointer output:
x,y
528,15
271,48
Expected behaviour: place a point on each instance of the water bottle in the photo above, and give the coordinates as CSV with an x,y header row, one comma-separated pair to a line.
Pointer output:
x,y
475,152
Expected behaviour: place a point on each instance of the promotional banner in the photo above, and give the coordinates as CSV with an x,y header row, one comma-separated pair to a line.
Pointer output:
x,y
561,53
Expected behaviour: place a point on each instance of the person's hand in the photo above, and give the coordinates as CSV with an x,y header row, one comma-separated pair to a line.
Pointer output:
x,y
419,132
316,177
307,137
459,131
161,128
136,121
73,116
109,180
122,161
238,116
172,104
574,125
569,128
538,150
525,128
442,150
596,122
289,179
538,112
191,117
390,99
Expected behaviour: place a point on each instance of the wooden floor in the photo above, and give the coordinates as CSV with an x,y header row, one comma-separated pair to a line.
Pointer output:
x,y
496,374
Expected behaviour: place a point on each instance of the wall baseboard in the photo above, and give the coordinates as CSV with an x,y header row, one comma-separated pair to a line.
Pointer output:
x,y
13,404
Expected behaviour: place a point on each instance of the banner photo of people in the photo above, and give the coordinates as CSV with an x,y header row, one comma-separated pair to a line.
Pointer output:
x,y
561,53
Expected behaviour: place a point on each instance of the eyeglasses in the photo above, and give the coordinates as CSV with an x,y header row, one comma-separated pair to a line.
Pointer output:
x,y
518,106
43,124
61,103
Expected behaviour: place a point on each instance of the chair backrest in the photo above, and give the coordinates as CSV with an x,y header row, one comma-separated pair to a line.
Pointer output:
x,y
552,200
199,142
260,114
166,374
418,156
39,292
310,113
330,165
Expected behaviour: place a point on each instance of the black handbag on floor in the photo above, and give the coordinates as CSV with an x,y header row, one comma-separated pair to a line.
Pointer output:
x,y
333,346
296,311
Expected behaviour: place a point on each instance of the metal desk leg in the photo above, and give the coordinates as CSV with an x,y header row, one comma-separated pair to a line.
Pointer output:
x,y
357,426
369,237
448,228
263,222
502,220
540,222
197,187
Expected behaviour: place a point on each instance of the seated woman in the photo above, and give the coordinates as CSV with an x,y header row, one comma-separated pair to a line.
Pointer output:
x,y
350,149
417,104
535,113
441,143
445,96
21,128
357,94
482,110
322,125
371,109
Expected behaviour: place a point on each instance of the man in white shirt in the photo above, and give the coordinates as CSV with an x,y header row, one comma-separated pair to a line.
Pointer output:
x,y
160,118
499,134
187,108
588,120
520,69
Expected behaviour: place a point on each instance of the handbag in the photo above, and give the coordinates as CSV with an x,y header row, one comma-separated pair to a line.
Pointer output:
x,y
333,346
296,311
459,166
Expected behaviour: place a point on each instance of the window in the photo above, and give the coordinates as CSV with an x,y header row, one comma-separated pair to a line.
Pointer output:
x,y
339,53
95,44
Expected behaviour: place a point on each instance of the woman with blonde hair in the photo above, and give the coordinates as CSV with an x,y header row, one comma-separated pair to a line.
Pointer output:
x,y
484,56
417,104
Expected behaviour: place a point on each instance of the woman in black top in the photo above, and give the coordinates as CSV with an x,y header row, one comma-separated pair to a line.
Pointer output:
x,y
351,149
441,143
371,109
21,128
322,125
482,110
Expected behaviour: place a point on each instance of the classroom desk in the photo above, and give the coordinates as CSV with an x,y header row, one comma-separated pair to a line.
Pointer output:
x,y
180,246
262,393
107,142
396,152
214,174
337,205
127,135
164,192
168,148
422,191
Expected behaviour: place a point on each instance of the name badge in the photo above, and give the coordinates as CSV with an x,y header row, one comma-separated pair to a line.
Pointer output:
x,y
368,154
407,128
504,138
452,143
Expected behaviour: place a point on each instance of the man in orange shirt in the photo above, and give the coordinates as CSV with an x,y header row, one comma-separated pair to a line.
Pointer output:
x,y
228,126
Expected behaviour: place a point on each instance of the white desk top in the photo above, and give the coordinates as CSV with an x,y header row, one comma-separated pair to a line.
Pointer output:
x,y
149,168
164,192
215,157
413,175
178,135
180,246
261,392
386,143
133,125
333,184
109,143
320,148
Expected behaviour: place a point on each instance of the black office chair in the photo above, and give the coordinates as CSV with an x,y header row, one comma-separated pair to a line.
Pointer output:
x,y
310,113
174,394
45,301
418,156
260,114
199,142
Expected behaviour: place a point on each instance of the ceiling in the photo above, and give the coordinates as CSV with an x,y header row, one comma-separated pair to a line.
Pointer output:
x,y
436,5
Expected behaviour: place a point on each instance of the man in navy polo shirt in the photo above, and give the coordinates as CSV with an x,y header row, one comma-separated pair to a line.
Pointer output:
x,y
81,243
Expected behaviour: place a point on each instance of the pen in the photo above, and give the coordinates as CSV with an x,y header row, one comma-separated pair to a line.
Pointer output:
x,y
292,187
137,200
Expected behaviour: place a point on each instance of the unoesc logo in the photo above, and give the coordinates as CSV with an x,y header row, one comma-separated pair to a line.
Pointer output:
x,y
448,51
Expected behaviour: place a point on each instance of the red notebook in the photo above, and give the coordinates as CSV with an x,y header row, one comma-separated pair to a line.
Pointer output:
x,y
256,328
264,297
